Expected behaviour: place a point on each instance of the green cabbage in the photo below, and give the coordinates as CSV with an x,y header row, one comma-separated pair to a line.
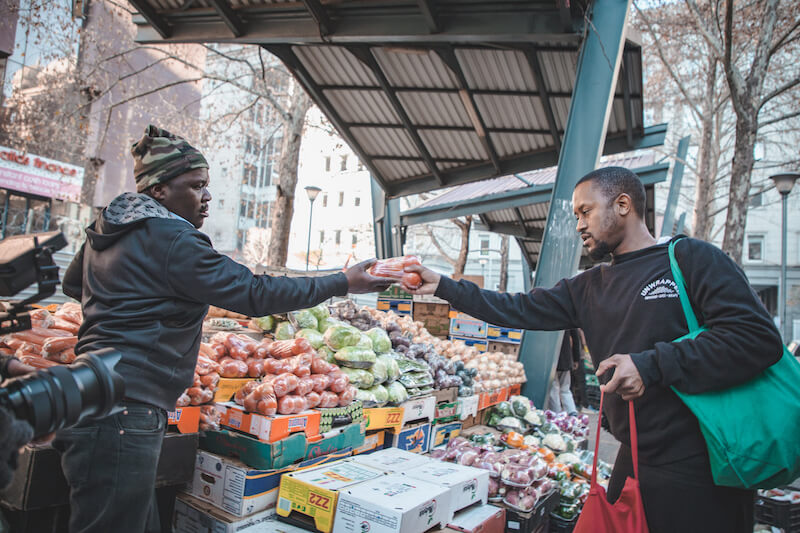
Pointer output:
x,y
284,331
338,337
397,393
358,377
379,371
320,312
264,323
313,336
364,342
380,340
392,369
305,319
327,323
355,357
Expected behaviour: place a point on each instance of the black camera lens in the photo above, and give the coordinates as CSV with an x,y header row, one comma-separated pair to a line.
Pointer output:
x,y
63,396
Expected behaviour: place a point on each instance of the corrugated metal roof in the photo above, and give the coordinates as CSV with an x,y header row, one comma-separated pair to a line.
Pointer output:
x,y
439,79
543,176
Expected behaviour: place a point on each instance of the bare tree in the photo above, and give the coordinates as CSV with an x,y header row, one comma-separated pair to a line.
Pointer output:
x,y
460,261
756,46
503,263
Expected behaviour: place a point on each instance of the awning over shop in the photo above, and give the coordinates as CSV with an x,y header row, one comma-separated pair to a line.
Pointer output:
x,y
429,94
517,204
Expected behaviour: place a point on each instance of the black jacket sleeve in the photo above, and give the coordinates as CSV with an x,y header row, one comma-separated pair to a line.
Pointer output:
x,y
741,340
195,271
541,309
72,284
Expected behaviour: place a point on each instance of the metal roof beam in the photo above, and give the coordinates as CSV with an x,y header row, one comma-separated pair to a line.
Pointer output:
x,y
287,55
155,20
427,9
380,125
521,220
453,90
415,158
533,59
448,56
364,54
229,17
626,94
565,14
320,15
279,23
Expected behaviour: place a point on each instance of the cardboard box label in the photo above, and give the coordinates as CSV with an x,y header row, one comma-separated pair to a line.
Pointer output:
x,y
442,434
469,406
373,441
447,410
415,438
383,417
185,419
268,428
393,460
479,344
419,409
492,398
227,387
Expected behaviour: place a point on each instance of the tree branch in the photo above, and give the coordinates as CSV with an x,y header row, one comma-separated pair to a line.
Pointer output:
x,y
780,90
437,245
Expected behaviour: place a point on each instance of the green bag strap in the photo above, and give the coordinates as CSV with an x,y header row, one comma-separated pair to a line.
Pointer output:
x,y
677,275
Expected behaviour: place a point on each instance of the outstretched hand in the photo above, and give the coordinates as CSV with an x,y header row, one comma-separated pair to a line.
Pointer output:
x,y
359,281
626,380
428,278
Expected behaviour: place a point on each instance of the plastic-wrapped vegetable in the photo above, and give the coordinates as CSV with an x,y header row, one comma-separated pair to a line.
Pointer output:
x,y
291,404
339,381
380,393
327,354
347,396
339,337
328,399
320,312
313,336
520,406
397,393
364,342
366,397
533,418
326,323
361,378
284,331
503,409
555,442
380,340
410,365
416,380
355,357
304,319
393,268
392,370
264,323
510,423
379,371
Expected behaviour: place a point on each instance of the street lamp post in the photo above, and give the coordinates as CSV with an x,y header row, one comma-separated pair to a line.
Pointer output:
x,y
312,193
784,184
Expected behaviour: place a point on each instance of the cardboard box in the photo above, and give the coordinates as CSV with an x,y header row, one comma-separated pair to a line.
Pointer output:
x,y
469,406
193,515
489,399
479,519
466,485
446,412
227,387
268,428
470,421
373,441
297,447
232,486
419,409
504,335
185,419
481,345
442,433
538,519
399,306
383,417
331,417
434,315
313,493
448,395
504,347
391,504
463,325
393,460
412,437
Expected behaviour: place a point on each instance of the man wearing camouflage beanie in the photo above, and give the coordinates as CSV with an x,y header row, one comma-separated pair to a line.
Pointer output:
x,y
145,277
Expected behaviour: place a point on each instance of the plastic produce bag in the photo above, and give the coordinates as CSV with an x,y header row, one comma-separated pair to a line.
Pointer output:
x,y
397,393
313,336
339,337
392,370
320,312
362,379
284,331
364,342
379,371
380,340
355,357
304,319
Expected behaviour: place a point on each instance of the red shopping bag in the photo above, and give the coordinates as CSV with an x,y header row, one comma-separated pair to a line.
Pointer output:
x,y
626,515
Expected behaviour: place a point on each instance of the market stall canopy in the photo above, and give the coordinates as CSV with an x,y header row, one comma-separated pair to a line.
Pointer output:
x,y
517,205
428,93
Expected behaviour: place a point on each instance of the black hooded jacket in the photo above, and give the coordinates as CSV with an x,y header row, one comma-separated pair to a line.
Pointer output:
x,y
145,279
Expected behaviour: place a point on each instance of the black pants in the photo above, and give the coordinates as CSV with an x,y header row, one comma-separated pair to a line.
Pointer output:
x,y
681,497
110,466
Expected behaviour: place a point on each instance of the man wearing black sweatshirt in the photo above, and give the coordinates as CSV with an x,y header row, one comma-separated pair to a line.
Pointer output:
x,y
145,278
630,312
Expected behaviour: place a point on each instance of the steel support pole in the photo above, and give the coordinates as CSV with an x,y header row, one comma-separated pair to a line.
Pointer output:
x,y
782,291
592,97
308,243
386,223
675,187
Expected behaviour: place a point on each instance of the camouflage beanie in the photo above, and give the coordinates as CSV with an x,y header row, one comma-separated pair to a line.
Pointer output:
x,y
160,156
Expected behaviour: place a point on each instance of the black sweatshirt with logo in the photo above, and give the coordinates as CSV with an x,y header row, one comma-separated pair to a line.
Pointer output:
x,y
631,306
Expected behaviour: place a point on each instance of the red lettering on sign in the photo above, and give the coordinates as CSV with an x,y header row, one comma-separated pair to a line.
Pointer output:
x,y
318,500
393,418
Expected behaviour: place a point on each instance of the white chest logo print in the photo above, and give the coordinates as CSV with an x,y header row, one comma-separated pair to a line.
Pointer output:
x,y
662,288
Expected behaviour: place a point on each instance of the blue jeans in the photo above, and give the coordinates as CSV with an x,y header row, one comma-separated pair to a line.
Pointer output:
x,y
110,467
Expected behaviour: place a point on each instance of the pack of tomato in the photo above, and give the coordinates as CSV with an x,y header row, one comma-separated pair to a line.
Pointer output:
x,y
296,378
394,268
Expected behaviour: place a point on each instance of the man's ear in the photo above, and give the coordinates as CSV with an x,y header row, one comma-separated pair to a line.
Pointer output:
x,y
157,191
624,204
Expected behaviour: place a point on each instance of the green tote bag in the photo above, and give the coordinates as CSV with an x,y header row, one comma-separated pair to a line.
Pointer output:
x,y
752,430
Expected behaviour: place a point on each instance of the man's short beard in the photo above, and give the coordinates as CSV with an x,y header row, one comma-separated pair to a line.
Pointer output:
x,y
601,251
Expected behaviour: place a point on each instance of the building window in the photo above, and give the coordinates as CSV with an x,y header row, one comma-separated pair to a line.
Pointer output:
x,y
343,163
328,164
755,247
484,246
357,201
250,206
338,238
756,200
322,236
239,239
355,240
325,200
341,199
243,208
360,165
